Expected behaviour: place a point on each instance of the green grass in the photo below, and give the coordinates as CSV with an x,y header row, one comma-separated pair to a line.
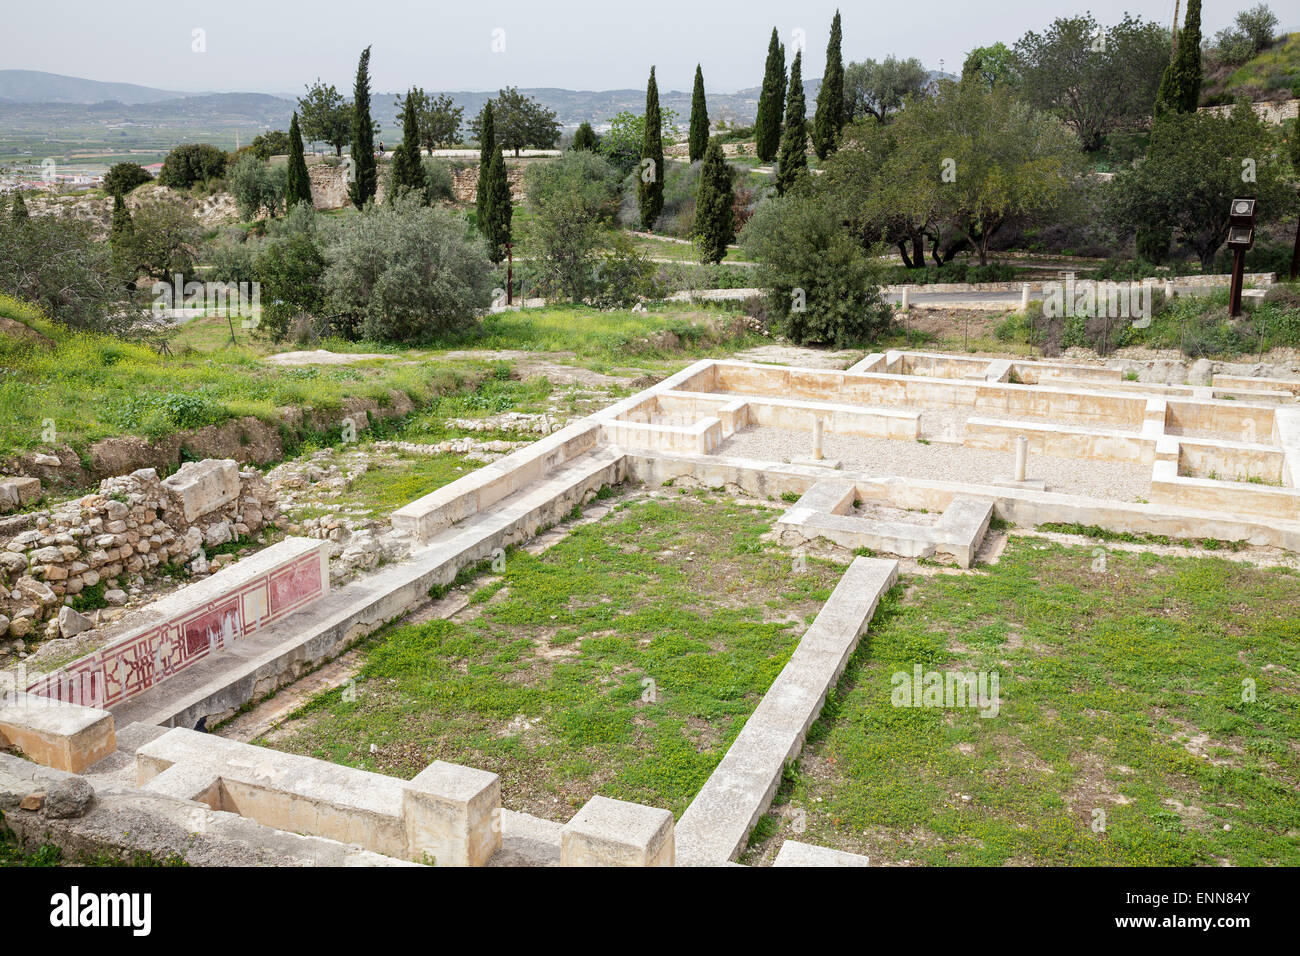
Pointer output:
x,y
1120,692
618,662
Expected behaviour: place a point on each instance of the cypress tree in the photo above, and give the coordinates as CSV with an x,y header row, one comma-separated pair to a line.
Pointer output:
x,y
297,185
123,226
585,138
19,210
699,138
715,202
365,174
650,187
499,210
830,98
408,174
1180,87
487,148
794,141
771,100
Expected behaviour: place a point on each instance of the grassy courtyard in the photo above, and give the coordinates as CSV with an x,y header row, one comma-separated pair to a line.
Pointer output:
x,y
1122,735
622,661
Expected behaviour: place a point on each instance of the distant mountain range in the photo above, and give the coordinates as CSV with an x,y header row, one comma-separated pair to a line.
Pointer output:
x,y
30,87
33,86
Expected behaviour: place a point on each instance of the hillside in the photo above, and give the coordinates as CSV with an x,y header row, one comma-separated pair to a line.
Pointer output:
x,y
34,86
1273,75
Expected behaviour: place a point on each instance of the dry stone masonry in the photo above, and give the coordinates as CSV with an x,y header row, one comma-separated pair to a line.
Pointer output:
x,y
125,531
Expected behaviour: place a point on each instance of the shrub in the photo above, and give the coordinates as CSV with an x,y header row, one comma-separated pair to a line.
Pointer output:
x,y
406,273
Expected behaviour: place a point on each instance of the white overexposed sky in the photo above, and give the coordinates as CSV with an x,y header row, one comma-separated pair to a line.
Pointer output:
x,y
274,46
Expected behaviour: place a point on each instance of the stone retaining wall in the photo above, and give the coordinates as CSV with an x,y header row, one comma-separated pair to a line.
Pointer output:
x,y
129,527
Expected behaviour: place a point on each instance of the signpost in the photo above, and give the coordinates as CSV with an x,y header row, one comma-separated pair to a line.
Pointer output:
x,y
1241,236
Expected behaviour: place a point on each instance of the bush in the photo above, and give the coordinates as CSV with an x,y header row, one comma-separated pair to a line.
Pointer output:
x,y
622,276
438,183
192,163
406,273
256,186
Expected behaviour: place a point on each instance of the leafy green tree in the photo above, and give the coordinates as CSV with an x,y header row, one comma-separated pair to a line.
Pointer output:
x,y
487,148
1193,170
521,122
1096,80
498,209
405,273
1180,86
793,163
585,138
272,143
650,187
829,119
18,211
438,118
698,141
622,144
326,117
771,102
64,267
364,174
819,280
124,177
993,65
715,205
979,160
407,173
165,240
256,186
192,163
573,200
880,89
291,270
297,184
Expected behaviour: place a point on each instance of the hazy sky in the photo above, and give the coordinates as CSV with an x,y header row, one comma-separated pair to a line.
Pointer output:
x,y
277,46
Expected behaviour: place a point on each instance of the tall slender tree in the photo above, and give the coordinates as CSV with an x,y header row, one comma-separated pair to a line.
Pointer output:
x,y
297,184
487,148
18,211
365,175
699,138
829,119
771,101
715,205
498,209
123,226
793,162
408,174
1180,87
650,185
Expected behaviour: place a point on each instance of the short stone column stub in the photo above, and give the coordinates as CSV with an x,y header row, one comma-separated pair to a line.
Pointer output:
x,y
452,815
609,832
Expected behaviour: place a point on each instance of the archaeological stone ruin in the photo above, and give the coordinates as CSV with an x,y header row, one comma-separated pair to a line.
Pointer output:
x,y
902,456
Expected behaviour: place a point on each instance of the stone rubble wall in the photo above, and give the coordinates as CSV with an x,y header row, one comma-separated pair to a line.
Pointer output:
x,y
125,530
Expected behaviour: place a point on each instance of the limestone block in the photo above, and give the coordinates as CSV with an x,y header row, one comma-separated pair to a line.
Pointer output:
x,y
204,486
63,736
19,491
609,832
452,815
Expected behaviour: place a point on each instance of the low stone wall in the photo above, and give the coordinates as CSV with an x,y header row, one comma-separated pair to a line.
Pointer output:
x,y
129,527
202,619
